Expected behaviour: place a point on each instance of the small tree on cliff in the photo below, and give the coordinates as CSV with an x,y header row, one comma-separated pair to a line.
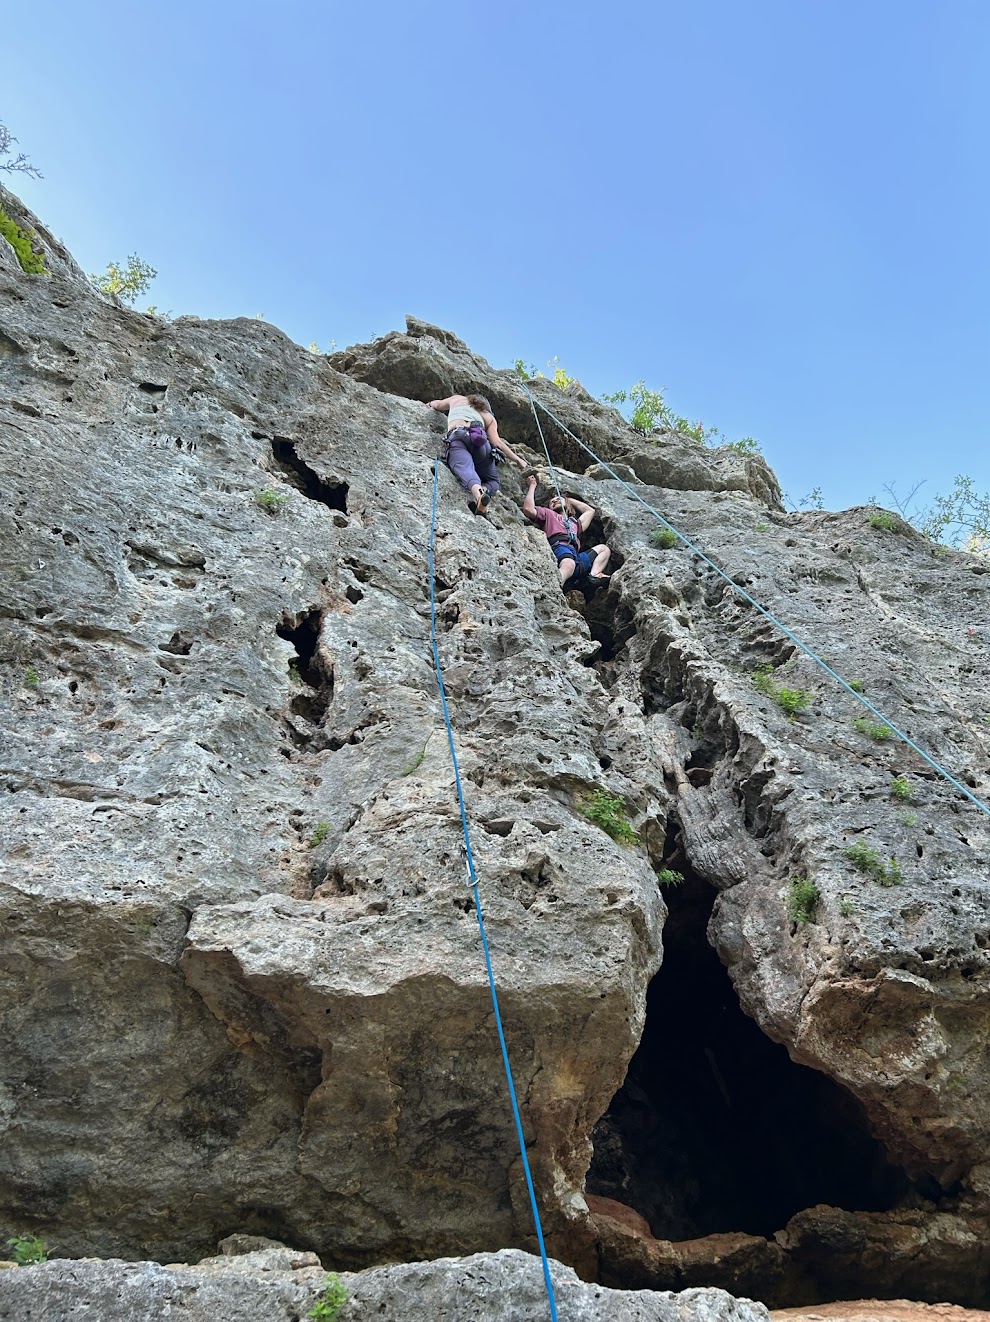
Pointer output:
x,y
18,164
959,518
126,282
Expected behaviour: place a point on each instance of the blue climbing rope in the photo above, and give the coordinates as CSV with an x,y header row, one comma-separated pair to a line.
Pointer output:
x,y
546,451
473,881
763,611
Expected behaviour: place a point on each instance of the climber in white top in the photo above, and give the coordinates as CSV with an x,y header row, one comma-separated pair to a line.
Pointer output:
x,y
472,433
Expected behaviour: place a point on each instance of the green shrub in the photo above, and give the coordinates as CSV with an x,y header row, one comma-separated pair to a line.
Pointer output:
x,y
900,787
846,907
331,1301
865,858
959,519
530,372
270,500
649,411
813,500
609,812
26,1249
22,243
856,685
31,677
883,520
665,538
763,679
319,835
761,527
879,733
790,701
668,877
126,282
802,900
910,819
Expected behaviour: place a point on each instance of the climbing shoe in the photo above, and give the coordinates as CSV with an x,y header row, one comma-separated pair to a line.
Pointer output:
x,y
481,506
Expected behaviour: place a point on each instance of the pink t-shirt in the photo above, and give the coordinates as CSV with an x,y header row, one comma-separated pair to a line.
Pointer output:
x,y
554,525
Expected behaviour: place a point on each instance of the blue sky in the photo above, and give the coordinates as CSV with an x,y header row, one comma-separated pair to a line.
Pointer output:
x,y
777,209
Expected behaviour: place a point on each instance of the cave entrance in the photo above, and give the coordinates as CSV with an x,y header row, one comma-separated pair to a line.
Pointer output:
x,y
299,474
716,1129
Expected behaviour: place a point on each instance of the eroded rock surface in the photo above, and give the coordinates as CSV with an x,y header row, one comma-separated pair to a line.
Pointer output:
x,y
497,1287
241,975
244,984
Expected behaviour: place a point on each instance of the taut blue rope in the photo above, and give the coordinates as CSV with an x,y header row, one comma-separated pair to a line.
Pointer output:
x,y
472,875
767,615
546,451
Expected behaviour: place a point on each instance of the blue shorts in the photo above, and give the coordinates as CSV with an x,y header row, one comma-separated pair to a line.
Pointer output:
x,y
583,559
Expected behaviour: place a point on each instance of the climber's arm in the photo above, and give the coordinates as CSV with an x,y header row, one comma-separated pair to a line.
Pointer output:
x,y
491,427
584,512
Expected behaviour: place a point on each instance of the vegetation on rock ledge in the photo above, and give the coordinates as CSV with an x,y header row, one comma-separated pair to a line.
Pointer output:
x,y
22,243
609,812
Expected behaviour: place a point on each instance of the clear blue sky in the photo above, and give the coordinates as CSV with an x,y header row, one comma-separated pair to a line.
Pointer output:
x,y
778,209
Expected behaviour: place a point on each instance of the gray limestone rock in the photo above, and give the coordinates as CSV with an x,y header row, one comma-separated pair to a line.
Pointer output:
x,y
490,1287
242,972
426,362
241,976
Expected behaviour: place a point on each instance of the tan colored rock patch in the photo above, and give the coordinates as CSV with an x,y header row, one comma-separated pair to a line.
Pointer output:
x,y
880,1310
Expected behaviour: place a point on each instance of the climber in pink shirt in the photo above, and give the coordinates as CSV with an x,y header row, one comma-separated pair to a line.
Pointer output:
x,y
564,521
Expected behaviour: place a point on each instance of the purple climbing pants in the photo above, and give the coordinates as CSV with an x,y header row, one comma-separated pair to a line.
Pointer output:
x,y
469,458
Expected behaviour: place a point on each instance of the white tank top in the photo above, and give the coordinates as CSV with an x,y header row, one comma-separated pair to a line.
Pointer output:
x,y
464,415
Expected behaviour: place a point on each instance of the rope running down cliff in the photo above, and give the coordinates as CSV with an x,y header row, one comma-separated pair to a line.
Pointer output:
x,y
753,602
473,881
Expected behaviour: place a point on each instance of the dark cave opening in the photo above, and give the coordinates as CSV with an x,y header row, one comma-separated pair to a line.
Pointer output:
x,y
609,625
716,1129
304,479
311,701
303,632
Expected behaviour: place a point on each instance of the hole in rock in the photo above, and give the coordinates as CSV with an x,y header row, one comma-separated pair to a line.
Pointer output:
x,y
499,826
303,632
716,1129
304,479
180,644
152,388
610,625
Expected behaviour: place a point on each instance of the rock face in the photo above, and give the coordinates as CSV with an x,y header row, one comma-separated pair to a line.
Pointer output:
x,y
499,1287
241,973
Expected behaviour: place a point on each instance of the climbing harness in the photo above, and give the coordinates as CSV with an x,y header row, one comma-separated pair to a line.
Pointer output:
x,y
936,766
572,536
472,881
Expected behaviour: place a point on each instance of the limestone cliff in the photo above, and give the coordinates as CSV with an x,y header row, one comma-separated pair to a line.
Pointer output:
x,y
241,980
